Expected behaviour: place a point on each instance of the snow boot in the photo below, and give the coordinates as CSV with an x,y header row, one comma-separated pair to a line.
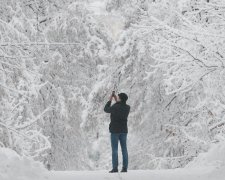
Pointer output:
x,y
124,170
113,171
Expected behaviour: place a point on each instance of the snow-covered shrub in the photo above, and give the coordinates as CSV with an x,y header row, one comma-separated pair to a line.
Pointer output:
x,y
214,157
16,167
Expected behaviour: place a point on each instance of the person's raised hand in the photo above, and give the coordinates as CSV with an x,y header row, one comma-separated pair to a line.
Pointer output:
x,y
111,98
115,97
112,95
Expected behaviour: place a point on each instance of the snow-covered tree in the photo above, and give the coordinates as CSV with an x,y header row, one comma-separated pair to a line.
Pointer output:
x,y
20,84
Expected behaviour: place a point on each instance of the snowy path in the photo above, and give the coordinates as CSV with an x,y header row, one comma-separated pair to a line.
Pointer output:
x,y
177,174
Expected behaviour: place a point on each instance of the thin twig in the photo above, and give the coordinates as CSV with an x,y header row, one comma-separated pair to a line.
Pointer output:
x,y
36,44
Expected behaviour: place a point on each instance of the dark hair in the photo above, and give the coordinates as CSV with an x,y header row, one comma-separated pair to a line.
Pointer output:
x,y
123,97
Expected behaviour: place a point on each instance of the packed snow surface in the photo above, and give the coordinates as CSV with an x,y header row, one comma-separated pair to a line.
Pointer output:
x,y
208,166
177,174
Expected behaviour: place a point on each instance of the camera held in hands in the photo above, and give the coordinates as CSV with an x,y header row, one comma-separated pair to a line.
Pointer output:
x,y
113,94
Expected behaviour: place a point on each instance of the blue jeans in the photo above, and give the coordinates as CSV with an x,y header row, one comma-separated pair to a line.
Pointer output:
x,y
115,138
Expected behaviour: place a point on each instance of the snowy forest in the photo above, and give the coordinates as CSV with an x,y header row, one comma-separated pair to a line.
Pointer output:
x,y
61,59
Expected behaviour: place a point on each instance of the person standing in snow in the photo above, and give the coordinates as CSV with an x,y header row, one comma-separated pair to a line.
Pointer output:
x,y
118,128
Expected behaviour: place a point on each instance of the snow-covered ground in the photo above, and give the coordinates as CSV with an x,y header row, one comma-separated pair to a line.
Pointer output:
x,y
177,174
208,166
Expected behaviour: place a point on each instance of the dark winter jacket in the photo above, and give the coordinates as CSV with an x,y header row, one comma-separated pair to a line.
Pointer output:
x,y
118,115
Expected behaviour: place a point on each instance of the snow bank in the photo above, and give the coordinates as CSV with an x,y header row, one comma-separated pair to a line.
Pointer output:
x,y
207,166
214,157
15,167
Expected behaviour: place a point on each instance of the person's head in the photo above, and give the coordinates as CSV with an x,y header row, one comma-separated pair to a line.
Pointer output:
x,y
122,97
